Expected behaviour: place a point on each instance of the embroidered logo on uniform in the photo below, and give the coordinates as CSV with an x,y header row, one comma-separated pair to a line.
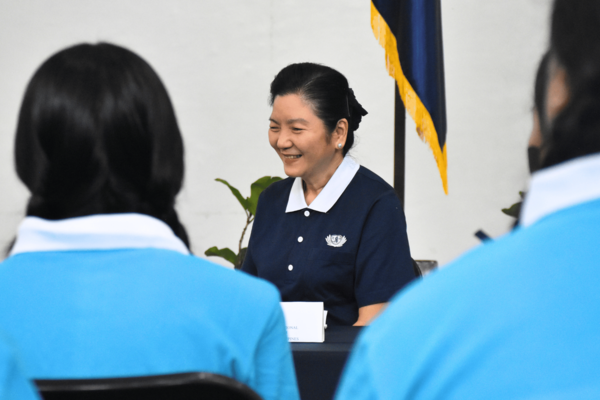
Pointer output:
x,y
335,240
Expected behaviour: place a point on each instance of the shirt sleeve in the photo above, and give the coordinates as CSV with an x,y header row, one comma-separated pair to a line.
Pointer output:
x,y
383,262
275,375
249,265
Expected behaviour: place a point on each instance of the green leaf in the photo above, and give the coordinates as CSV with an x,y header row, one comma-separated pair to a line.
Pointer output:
x,y
225,253
257,188
236,193
513,210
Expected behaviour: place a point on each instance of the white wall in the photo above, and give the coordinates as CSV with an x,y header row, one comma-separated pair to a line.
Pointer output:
x,y
218,58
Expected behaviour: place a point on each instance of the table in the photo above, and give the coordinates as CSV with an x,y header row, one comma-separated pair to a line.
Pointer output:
x,y
319,365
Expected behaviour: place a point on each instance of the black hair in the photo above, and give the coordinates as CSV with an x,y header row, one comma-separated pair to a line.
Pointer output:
x,y
575,47
326,90
541,89
539,101
97,134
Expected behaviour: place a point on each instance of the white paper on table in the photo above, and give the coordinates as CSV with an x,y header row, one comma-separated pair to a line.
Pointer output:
x,y
304,321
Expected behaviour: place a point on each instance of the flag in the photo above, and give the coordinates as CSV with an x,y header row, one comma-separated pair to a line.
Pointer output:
x,y
410,31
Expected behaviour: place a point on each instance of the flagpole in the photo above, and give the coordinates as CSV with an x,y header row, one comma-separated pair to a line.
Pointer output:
x,y
399,144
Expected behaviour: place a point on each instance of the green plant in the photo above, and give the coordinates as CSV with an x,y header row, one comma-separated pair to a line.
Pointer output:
x,y
249,204
515,209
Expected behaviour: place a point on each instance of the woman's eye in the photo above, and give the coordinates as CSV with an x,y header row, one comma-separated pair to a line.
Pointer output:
x,y
297,129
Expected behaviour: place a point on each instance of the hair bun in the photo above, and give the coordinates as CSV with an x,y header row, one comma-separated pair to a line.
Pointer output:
x,y
355,110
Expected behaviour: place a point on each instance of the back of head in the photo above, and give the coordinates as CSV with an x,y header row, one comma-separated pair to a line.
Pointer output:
x,y
97,134
575,47
327,92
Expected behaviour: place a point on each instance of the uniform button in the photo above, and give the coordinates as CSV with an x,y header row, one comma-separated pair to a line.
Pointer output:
x,y
306,213
290,267
300,239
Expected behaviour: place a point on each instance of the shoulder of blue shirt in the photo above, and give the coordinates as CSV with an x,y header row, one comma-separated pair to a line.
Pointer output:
x,y
471,277
502,289
262,293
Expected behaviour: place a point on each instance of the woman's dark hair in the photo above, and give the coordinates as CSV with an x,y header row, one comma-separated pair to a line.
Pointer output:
x,y
97,134
575,46
540,91
539,99
326,90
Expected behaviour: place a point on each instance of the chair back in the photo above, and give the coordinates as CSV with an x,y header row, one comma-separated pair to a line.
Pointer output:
x,y
423,267
186,386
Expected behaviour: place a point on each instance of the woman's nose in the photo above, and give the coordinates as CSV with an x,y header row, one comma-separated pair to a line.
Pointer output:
x,y
284,139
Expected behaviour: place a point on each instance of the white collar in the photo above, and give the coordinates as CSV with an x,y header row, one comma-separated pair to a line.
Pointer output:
x,y
96,232
564,185
331,192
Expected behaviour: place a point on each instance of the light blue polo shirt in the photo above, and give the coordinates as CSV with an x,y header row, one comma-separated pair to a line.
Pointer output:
x,y
119,295
516,318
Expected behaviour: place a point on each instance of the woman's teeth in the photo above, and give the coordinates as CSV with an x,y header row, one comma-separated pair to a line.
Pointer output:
x,y
294,156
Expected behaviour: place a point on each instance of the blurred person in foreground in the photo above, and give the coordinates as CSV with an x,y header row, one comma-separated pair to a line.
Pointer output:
x,y
516,318
100,281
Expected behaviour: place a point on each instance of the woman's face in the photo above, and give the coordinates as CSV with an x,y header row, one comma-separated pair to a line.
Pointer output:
x,y
300,139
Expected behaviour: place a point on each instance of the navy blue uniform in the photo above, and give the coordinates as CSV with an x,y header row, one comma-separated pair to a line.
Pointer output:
x,y
354,255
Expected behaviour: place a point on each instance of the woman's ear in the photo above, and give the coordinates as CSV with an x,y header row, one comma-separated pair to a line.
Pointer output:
x,y
340,132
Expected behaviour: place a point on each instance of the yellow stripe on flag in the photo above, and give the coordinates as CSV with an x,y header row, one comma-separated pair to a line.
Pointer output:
x,y
412,102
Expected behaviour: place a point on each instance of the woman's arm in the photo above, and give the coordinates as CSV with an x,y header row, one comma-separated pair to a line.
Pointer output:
x,y
367,313
249,266
383,263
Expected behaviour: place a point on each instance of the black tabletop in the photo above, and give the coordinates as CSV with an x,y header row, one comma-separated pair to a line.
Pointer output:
x,y
319,365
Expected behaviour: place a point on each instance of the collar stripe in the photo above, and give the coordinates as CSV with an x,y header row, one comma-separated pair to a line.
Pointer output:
x,y
331,192
96,232
561,186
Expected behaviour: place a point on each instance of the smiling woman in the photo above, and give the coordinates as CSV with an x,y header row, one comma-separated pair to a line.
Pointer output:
x,y
333,231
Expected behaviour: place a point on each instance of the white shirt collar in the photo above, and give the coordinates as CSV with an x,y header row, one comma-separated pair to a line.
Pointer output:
x,y
331,192
96,232
565,185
